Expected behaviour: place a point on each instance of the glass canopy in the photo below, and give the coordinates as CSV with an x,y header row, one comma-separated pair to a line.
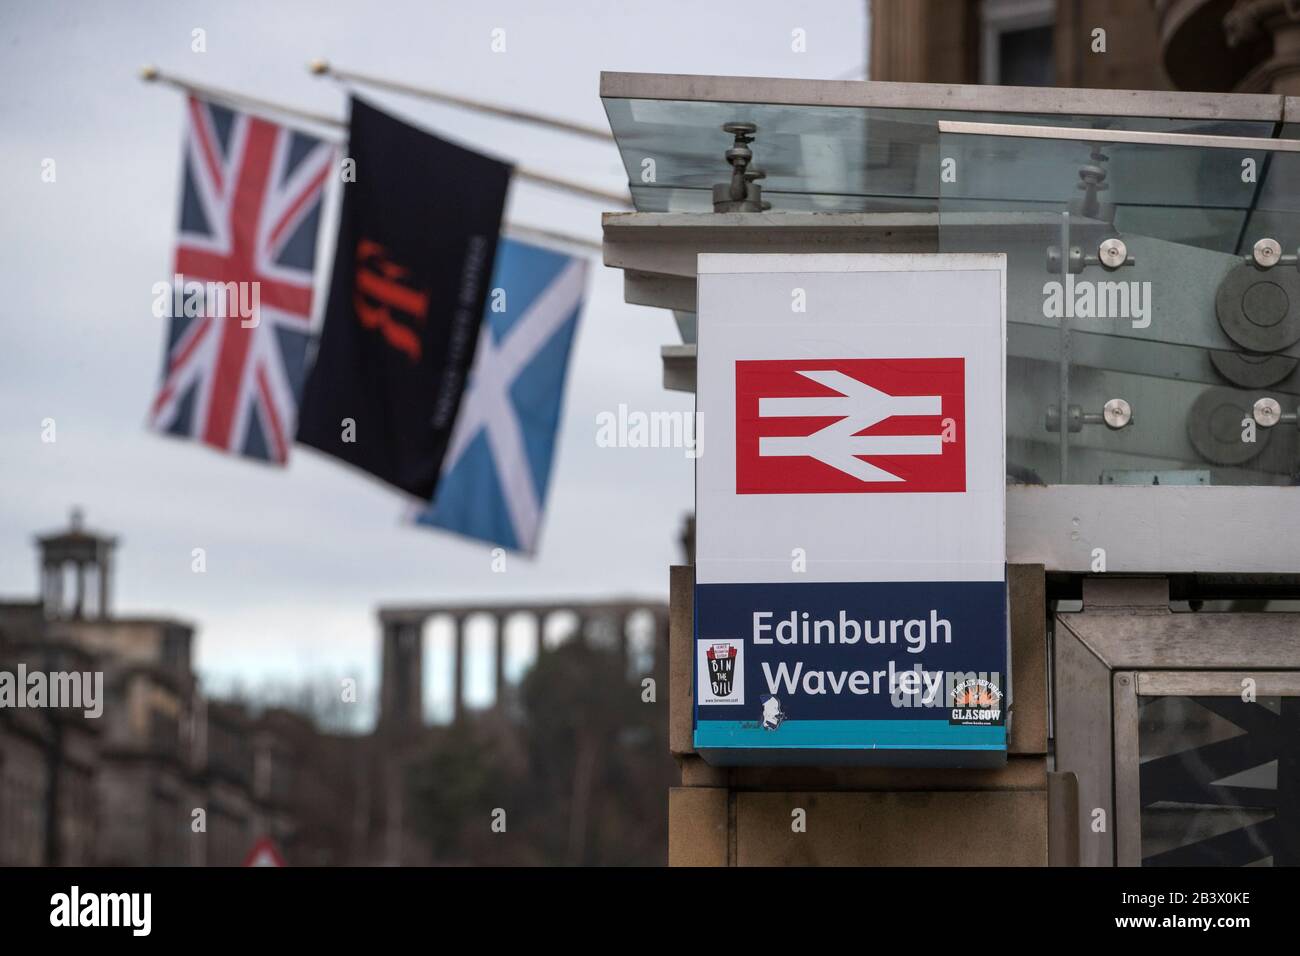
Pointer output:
x,y
1157,373
1153,298
862,147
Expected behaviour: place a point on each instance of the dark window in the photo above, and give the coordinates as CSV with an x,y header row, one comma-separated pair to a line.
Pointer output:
x,y
1025,57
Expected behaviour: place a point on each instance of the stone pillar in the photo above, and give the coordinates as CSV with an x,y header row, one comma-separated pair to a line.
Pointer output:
x,y
401,706
90,591
866,816
1270,29
659,641
79,607
1285,64
500,660
458,668
52,579
541,617
105,571
924,41
623,641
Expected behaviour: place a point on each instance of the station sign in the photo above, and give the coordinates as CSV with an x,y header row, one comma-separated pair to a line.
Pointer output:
x,y
850,589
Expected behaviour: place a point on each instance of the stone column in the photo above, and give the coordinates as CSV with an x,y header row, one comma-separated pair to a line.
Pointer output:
x,y
500,660
542,618
458,668
924,41
659,639
52,579
1266,28
623,640
401,705
105,572
79,607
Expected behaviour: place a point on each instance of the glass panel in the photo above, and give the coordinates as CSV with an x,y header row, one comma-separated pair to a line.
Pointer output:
x,y
821,158
1188,334
1219,781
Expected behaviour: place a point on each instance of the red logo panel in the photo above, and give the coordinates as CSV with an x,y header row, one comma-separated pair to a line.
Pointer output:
x,y
831,426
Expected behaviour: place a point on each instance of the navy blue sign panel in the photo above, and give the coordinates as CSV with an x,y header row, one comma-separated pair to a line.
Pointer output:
x,y
850,561
859,672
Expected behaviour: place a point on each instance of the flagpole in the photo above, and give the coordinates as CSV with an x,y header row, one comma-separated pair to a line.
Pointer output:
x,y
325,68
151,74
551,235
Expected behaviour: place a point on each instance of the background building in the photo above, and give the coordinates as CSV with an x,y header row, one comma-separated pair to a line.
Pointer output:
x,y
1247,46
574,752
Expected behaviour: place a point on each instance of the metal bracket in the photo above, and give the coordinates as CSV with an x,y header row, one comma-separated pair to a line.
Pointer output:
x,y
1267,412
1111,254
1267,253
1115,414
742,193
1092,180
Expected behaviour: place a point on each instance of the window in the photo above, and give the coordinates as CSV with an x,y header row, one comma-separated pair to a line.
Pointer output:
x,y
1016,42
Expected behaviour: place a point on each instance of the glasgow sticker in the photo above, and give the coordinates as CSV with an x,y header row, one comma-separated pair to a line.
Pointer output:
x,y
976,702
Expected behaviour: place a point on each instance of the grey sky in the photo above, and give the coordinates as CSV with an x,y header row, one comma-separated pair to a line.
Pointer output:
x,y
298,559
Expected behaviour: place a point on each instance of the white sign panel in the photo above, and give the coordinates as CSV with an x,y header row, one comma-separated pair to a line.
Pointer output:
x,y
850,509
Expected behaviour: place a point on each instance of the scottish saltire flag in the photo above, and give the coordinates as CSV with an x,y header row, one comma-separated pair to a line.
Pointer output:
x,y
495,474
240,295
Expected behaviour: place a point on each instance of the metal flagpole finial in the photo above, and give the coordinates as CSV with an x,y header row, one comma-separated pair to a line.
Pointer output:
x,y
319,67
148,72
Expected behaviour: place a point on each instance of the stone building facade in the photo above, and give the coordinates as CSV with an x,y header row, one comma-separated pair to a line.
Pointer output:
x,y
163,776
1243,46
124,789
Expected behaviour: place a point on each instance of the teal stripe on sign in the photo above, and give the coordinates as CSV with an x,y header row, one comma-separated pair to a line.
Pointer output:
x,y
856,734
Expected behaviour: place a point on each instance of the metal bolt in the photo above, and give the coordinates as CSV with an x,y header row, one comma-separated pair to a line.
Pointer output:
x,y
1117,413
1054,260
1113,253
1267,253
1267,412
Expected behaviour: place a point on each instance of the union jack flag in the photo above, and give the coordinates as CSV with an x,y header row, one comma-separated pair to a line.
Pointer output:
x,y
250,208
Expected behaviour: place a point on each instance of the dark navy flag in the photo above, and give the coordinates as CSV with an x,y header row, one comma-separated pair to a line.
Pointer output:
x,y
417,239
496,472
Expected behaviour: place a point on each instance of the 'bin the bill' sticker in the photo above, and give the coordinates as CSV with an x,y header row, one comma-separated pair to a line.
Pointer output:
x,y
721,677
